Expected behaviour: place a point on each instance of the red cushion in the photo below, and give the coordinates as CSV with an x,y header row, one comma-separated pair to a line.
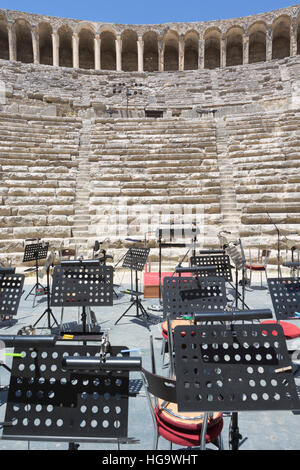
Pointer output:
x,y
186,425
188,439
290,331
255,268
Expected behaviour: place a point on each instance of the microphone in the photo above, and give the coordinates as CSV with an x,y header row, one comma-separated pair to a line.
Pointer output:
x,y
133,240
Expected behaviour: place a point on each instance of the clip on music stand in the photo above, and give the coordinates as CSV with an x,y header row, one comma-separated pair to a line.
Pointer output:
x,y
135,259
232,368
285,295
49,403
82,283
35,252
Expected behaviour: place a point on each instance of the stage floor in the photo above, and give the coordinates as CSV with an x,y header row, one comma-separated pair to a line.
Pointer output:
x,y
260,430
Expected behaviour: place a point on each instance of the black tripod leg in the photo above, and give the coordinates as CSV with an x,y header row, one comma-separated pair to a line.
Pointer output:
x,y
124,313
29,292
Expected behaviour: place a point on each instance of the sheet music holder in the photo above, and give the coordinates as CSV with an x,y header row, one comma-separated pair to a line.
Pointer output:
x,y
48,403
135,260
35,252
220,261
188,295
285,296
82,283
233,368
11,290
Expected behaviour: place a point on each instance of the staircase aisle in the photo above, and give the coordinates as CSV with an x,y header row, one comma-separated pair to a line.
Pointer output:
x,y
231,219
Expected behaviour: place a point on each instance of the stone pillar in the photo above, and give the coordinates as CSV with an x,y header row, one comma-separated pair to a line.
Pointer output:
x,y
269,39
245,49
35,46
201,54
223,43
181,54
12,42
293,37
161,54
119,54
140,49
97,52
55,48
75,47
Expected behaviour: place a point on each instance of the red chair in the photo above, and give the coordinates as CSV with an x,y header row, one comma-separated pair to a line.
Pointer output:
x,y
261,265
184,429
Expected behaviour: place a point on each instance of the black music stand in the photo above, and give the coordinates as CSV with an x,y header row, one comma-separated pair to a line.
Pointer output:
x,y
35,252
285,295
48,311
11,290
135,259
49,403
223,269
184,296
82,283
232,368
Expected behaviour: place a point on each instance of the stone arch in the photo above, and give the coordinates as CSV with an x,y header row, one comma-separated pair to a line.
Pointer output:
x,y
4,46
281,37
234,46
171,41
191,50
129,51
23,41
86,48
257,42
65,34
150,39
212,38
108,50
45,43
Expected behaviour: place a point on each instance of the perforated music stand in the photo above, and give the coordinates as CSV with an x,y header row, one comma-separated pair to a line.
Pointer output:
x,y
233,368
188,295
47,403
82,283
223,269
11,290
35,252
135,259
285,295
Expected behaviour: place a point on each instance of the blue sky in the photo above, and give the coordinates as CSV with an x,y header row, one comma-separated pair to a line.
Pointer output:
x,y
146,11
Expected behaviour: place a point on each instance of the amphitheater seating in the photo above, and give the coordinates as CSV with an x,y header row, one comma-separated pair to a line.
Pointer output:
x,y
38,173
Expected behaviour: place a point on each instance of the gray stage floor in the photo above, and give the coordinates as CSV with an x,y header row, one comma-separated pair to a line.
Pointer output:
x,y
260,430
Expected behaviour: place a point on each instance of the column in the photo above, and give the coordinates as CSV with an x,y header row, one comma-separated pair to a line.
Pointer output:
x,y
223,43
140,49
35,46
97,51
12,42
269,39
55,48
245,49
181,54
75,46
119,54
161,53
293,37
201,54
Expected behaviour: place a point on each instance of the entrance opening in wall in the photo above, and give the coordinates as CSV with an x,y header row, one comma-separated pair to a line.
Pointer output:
x,y
151,113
